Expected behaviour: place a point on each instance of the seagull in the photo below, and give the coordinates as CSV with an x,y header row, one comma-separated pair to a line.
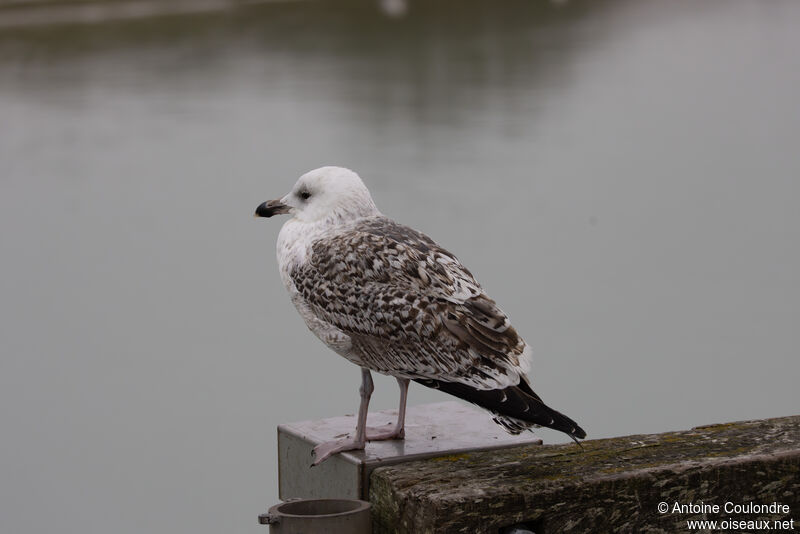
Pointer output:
x,y
391,300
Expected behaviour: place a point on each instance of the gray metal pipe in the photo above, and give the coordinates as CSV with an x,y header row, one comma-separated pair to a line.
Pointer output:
x,y
319,516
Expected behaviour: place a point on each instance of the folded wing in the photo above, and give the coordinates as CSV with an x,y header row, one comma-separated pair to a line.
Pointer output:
x,y
412,310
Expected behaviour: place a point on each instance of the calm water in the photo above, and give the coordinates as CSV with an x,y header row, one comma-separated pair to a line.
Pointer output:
x,y
621,176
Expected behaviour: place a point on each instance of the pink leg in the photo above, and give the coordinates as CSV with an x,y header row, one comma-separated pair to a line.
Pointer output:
x,y
396,431
323,451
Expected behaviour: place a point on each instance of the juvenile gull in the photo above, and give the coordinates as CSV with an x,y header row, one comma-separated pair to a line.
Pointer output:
x,y
391,300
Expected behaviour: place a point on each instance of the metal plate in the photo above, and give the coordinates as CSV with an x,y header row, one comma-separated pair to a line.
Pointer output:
x,y
431,430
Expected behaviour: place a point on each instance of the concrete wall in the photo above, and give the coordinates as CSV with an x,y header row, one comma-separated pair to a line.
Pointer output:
x,y
612,485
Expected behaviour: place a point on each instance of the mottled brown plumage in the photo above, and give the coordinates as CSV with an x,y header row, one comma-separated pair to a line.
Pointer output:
x,y
391,300
409,306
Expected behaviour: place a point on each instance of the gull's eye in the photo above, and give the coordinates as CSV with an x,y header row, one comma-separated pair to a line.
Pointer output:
x,y
305,195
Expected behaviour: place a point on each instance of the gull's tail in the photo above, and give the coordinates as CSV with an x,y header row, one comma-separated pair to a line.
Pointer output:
x,y
516,408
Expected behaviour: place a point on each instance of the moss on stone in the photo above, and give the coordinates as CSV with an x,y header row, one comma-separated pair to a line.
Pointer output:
x,y
611,485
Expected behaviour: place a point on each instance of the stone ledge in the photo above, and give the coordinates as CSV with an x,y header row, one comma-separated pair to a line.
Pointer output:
x,y
612,485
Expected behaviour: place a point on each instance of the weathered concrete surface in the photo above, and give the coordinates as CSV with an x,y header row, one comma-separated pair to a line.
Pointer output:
x,y
613,485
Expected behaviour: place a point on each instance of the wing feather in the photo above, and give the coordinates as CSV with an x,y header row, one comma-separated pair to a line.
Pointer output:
x,y
410,307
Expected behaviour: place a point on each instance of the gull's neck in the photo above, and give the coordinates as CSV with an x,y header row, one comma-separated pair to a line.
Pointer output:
x,y
297,236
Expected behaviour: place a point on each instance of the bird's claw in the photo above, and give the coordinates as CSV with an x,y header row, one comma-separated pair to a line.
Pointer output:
x,y
323,451
381,434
